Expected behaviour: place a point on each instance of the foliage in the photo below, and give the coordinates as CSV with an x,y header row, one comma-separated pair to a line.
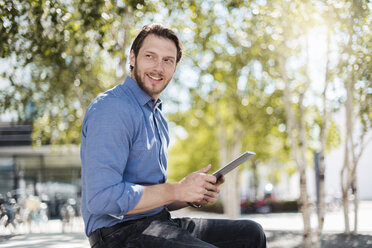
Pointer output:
x,y
57,55
232,80
60,54
200,146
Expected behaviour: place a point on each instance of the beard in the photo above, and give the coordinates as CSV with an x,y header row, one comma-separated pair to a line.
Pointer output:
x,y
151,91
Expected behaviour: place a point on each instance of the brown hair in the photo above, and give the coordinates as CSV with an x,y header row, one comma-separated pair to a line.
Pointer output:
x,y
159,30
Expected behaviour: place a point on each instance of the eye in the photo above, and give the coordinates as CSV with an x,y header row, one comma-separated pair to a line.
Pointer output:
x,y
169,61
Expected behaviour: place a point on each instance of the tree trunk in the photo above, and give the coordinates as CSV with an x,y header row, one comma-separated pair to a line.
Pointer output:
x,y
123,41
321,203
299,158
231,203
230,189
323,139
345,189
305,205
356,203
346,172
255,179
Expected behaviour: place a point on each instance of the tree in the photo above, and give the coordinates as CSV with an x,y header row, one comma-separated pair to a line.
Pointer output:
x,y
354,19
231,79
289,44
61,55
325,120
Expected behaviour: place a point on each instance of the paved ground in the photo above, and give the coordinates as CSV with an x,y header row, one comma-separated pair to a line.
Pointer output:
x,y
282,230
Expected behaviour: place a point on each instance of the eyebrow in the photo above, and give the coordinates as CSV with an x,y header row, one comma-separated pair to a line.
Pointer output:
x,y
168,57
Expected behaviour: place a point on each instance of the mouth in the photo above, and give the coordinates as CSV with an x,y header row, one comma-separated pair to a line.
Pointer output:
x,y
154,78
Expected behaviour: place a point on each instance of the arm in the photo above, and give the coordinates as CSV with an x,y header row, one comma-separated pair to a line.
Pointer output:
x,y
106,140
197,187
155,196
182,204
177,205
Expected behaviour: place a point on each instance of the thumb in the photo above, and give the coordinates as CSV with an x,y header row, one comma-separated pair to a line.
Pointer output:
x,y
205,169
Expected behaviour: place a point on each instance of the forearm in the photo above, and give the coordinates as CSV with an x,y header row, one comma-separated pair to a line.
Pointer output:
x,y
177,205
102,199
155,196
197,187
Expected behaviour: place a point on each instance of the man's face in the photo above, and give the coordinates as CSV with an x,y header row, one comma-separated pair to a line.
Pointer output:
x,y
155,64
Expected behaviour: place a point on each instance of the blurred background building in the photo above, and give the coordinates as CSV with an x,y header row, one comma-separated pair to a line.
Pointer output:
x,y
50,172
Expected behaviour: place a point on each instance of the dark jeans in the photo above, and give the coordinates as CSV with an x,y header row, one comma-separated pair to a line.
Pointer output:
x,y
163,231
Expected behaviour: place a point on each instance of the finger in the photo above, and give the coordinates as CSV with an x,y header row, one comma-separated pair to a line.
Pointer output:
x,y
220,180
205,169
209,199
202,202
197,198
211,194
211,179
212,187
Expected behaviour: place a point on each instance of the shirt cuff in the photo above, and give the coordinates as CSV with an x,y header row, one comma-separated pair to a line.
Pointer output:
x,y
131,196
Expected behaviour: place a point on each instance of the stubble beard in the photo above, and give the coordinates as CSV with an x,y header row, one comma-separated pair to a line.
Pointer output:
x,y
150,91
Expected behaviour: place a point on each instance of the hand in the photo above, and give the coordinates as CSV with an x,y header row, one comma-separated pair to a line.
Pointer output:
x,y
205,201
198,187
220,180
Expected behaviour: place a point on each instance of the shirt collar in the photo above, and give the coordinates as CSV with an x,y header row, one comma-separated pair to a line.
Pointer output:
x,y
153,105
142,97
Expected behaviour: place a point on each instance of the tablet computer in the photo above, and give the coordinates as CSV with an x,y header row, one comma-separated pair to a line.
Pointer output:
x,y
233,164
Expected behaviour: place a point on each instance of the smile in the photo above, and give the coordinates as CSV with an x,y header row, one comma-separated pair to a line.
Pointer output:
x,y
155,78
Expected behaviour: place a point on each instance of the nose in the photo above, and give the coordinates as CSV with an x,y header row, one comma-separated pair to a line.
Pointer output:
x,y
159,67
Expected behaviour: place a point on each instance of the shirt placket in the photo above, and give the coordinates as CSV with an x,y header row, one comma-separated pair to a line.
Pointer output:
x,y
160,137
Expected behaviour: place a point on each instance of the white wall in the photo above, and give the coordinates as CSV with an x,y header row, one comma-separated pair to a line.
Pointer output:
x,y
334,163
289,187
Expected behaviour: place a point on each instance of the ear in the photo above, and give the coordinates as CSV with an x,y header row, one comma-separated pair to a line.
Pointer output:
x,y
132,58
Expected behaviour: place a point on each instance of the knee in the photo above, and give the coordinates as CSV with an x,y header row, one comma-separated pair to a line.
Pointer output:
x,y
257,234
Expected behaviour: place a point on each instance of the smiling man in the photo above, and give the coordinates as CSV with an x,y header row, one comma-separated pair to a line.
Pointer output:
x,y
124,141
154,64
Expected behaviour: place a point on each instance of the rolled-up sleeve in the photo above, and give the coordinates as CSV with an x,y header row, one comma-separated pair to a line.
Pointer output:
x,y
107,131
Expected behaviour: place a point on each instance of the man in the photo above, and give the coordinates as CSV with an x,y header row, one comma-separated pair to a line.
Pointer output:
x,y
125,197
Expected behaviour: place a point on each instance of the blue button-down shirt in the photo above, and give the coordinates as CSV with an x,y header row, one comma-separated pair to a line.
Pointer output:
x,y
124,143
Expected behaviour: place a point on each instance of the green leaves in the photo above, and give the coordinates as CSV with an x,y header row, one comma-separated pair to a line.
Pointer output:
x,y
60,54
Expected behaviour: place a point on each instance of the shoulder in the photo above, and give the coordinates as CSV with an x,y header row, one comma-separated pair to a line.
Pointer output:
x,y
112,109
110,103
